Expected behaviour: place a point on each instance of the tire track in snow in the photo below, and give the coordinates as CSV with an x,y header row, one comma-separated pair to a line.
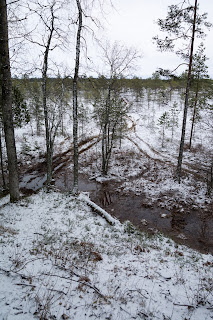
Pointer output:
x,y
35,177
153,154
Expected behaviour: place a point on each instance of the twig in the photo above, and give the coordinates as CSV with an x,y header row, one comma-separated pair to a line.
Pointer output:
x,y
79,281
32,260
183,305
138,291
126,312
26,285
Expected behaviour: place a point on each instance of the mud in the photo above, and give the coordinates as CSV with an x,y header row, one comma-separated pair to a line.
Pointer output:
x,y
193,228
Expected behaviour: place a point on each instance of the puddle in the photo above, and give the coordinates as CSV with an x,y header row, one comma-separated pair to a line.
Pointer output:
x,y
194,229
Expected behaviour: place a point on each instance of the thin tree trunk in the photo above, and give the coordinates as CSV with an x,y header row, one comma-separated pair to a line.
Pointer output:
x,y
38,125
194,114
180,156
75,99
44,101
2,166
106,131
162,145
104,151
6,103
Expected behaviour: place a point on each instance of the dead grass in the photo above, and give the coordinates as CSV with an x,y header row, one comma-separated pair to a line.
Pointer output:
x,y
4,230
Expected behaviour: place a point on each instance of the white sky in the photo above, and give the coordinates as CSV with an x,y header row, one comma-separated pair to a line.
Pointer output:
x,y
134,25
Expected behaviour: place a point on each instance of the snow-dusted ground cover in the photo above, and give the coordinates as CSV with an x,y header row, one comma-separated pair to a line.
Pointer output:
x,y
145,167
59,260
141,164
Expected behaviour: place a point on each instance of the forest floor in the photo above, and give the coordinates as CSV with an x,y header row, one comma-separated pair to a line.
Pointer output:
x,y
60,260
141,178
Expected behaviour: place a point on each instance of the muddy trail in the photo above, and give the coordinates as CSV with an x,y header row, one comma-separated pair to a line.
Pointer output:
x,y
34,178
193,227
199,171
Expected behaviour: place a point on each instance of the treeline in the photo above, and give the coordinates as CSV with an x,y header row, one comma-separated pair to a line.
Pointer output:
x,y
91,83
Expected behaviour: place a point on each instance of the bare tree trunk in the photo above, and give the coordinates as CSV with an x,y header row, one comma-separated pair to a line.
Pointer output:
x,y
38,124
75,99
6,103
106,132
44,101
192,127
194,114
180,157
2,166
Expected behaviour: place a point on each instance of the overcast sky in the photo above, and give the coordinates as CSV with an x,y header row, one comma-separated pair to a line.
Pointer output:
x,y
133,23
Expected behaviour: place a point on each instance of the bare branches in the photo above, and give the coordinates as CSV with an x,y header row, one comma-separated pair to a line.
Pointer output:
x,y
119,58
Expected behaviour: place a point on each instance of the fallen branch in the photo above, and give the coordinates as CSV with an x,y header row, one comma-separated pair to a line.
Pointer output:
x,y
98,209
184,305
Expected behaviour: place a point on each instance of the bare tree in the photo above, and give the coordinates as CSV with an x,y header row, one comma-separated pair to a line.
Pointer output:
x,y
48,18
84,11
112,108
75,97
49,144
6,103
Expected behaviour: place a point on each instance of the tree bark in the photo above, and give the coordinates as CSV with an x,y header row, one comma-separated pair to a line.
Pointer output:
x,y
180,157
75,99
2,166
105,134
44,101
194,114
6,103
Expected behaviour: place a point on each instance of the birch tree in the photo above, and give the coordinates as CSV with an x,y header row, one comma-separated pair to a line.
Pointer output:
x,y
6,103
112,108
48,16
47,46
1,161
83,12
75,97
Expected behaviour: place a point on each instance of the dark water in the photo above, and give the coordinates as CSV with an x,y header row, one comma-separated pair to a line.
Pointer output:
x,y
194,228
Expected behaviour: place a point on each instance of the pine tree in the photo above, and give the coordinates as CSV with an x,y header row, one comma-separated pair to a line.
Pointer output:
x,y
173,118
182,23
164,123
199,96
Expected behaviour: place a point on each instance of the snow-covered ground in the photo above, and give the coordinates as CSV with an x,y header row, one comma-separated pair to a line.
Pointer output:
x,y
59,260
143,166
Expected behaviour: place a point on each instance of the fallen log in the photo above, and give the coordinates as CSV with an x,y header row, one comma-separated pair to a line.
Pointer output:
x,y
98,209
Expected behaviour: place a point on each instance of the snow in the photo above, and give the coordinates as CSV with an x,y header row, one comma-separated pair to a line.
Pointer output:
x,y
105,214
60,260
148,167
